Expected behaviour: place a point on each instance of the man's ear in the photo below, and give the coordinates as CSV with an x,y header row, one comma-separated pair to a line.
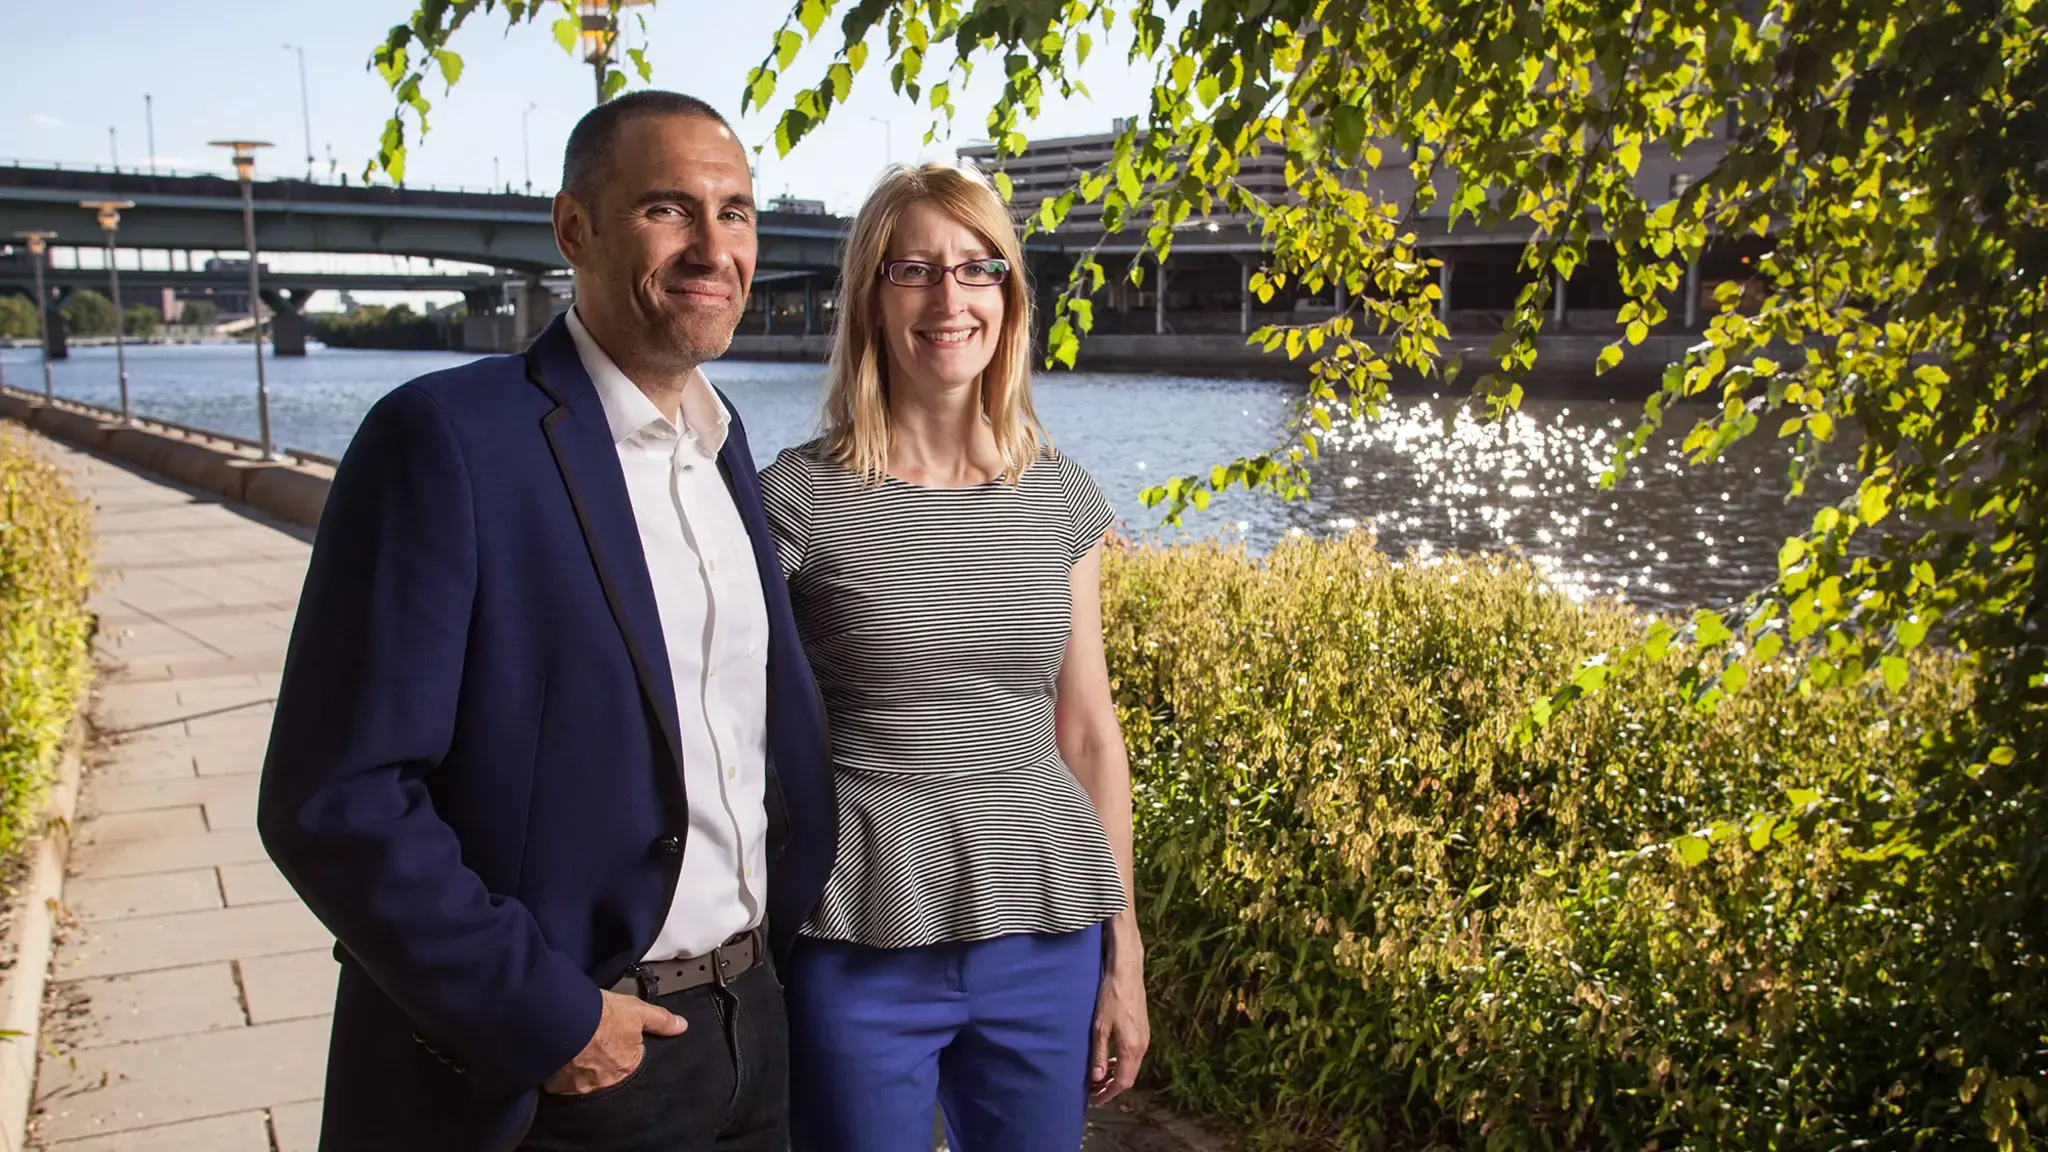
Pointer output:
x,y
573,228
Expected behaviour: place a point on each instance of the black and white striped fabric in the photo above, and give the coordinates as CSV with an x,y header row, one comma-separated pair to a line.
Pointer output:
x,y
936,621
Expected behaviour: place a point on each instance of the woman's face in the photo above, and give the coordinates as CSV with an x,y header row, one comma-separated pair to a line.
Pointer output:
x,y
936,330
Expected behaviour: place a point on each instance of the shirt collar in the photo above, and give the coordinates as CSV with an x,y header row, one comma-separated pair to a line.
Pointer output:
x,y
628,411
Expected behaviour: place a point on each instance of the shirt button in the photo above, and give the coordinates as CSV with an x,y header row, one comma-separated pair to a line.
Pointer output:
x,y
732,773
669,845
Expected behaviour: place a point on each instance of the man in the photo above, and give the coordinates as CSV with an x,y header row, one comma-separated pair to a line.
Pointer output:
x,y
547,755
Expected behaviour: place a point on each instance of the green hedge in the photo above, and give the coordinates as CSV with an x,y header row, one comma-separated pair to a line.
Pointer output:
x,y
1375,919
45,629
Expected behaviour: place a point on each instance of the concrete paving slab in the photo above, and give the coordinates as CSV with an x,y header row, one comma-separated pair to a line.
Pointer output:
x,y
150,1006
129,1087
156,894
173,792
240,1132
168,854
232,811
150,943
297,1126
258,883
151,824
289,987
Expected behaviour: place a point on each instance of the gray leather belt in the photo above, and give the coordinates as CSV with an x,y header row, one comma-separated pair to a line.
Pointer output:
x,y
721,966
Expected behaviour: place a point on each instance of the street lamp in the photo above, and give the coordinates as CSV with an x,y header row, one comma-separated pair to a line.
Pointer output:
x,y
38,243
600,32
305,108
245,171
526,151
110,222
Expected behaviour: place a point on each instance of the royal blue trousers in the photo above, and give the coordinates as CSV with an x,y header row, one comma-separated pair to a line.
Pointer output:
x,y
994,1032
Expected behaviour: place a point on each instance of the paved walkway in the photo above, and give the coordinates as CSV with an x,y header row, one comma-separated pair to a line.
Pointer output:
x,y
190,999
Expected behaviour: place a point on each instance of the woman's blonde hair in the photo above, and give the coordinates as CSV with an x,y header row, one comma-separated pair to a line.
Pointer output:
x,y
857,397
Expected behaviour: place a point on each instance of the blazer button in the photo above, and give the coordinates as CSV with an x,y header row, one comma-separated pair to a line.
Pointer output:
x,y
669,845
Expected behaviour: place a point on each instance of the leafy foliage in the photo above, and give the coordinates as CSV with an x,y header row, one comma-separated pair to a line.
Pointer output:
x,y
45,629
141,321
1377,918
198,313
17,317
379,326
88,313
415,52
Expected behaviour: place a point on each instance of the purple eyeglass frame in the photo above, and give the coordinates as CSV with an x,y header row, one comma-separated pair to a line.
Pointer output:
x,y
887,271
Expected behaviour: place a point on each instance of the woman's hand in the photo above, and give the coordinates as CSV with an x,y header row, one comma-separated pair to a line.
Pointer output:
x,y
1122,1031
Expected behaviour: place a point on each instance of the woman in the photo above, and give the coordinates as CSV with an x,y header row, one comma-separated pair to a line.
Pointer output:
x,y
944,563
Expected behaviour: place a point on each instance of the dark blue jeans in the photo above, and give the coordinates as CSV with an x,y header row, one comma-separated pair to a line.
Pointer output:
x,y
721,1086
994,1032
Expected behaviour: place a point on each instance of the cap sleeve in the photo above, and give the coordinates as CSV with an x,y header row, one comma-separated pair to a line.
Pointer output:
x,y
786,497
1088,513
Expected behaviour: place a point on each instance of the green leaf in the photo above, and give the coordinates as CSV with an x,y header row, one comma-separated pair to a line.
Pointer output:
x,y
1709,630
793,126
451,66
1802,797
811,14
1894,672
1791,554
787,45
1208,89
1347,129
567,32
760,89
641,64
1692,850
1002,182
1609,357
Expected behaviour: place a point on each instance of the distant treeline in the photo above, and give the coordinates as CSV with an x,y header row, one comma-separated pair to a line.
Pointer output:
x,y
376,326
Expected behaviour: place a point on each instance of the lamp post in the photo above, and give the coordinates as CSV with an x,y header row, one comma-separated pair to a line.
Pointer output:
x,y
149,121
525,150
888,135
600,34
38,243
305,108
245,172
110,223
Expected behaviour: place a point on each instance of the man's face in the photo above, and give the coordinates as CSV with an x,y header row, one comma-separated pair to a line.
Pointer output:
x,y
664,253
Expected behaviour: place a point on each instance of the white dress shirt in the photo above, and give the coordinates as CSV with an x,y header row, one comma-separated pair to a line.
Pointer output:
x,y
715,627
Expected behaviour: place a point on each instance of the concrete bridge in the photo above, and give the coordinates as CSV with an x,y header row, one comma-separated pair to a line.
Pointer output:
x,y
506,231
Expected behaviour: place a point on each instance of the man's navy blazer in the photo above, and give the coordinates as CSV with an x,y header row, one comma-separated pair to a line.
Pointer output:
x,y
475,777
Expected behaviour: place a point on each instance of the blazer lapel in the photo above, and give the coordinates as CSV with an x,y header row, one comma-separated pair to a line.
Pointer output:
x,y
581,441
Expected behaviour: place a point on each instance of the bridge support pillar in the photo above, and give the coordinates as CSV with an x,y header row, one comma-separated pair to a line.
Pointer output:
x,y
1159,299
533,306
1560,312
287,321
55,334
1444,278
810,307
1244,296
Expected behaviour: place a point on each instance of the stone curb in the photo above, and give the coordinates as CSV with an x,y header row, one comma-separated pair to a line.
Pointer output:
x,y
292,491
36,906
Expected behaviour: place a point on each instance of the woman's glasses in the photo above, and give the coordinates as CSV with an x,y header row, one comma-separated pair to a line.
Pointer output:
x,y
925,274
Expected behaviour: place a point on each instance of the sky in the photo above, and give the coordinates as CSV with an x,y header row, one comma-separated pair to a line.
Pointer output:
x,y
220,70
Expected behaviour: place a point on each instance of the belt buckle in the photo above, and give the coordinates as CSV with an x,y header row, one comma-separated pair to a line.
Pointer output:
x,y
721,965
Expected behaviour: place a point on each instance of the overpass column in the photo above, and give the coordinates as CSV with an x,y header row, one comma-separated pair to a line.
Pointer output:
x,y
533,306
1443,291
287,321
1560,314
54,332
810,307
1244,296
1159,300
1692,296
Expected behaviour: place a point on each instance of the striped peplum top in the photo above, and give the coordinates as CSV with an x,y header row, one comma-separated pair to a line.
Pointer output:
x,y
936,622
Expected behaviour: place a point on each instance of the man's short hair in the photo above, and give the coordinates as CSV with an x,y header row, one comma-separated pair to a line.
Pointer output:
x,y
589,152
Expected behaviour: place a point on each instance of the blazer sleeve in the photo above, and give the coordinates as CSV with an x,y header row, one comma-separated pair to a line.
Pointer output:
x,y
365,712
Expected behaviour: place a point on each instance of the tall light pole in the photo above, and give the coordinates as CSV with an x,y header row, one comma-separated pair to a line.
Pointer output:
x,y
525,149
305,108
38,243
114,149
245,172
110,223
149,121
600,34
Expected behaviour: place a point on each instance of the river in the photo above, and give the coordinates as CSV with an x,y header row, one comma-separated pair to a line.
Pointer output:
x,y
1426,476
